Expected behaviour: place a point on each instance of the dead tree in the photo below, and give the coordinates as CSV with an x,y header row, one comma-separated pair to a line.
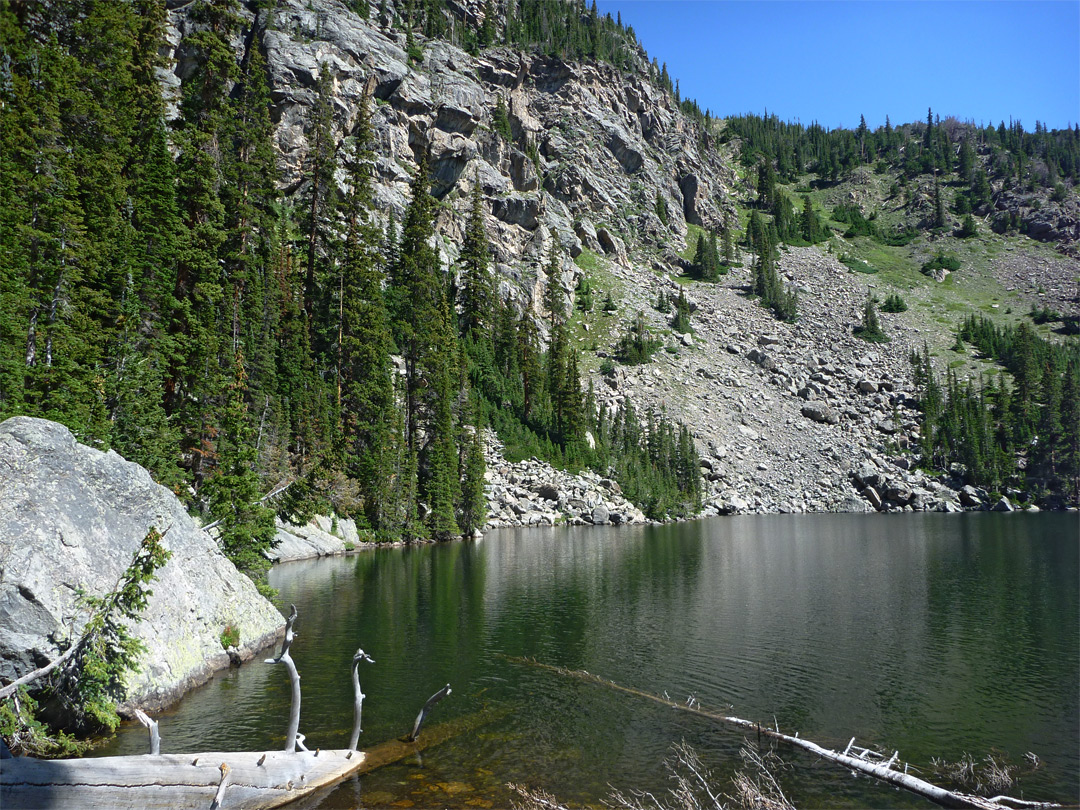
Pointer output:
x,y
431,701
152,727
857,759
294,677
358,696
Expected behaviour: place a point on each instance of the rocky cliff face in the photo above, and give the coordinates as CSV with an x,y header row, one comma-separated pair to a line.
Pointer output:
x,y
72,518
783,416
607,144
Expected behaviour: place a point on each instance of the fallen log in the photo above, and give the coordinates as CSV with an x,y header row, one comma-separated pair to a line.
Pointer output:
x,y
255,779
862,764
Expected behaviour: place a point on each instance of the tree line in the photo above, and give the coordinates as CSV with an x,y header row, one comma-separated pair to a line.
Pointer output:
x,y
163,298
1024,435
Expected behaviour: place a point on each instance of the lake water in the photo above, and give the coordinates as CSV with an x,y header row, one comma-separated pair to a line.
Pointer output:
x,y
934,635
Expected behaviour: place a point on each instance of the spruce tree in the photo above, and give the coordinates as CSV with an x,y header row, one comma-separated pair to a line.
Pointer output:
x,y
472,510
477,293
367,396
246,529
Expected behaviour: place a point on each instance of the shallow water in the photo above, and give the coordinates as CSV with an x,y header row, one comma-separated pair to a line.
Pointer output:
x,y
934,635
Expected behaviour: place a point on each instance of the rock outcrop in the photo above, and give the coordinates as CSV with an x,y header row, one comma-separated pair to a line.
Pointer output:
x,y
72,518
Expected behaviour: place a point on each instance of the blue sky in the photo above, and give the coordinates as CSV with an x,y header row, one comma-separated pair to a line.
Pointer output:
x,y
834,61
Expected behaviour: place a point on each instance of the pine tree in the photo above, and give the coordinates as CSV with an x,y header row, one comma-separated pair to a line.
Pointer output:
x,y
473,507
367,396
477,293
246,526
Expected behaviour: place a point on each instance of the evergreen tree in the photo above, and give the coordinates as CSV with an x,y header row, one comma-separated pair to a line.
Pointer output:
x,y
246,529
367,395
473,508
477,293
870,329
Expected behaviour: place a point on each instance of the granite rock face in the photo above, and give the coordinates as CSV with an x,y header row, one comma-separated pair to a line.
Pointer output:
x,y
71,520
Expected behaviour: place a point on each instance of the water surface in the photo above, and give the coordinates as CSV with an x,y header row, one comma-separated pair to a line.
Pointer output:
x,y
936,635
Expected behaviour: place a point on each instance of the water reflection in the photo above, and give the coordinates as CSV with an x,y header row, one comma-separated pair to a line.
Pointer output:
x,y
932,634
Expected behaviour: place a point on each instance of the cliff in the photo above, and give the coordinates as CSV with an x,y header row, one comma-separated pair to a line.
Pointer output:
x,y
72,519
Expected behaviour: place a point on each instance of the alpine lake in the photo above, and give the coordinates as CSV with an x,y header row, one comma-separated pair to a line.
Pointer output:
x,y
933,635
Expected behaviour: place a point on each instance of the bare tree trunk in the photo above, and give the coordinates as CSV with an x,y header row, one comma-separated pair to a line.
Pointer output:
x,y
431,701
152,727
358,696
10,689
294,677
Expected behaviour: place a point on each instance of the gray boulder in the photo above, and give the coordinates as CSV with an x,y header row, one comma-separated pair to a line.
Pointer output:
x,y
73,517
820,412
1003,505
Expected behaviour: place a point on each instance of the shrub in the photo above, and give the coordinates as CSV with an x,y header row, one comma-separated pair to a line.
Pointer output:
x,y
607,368
894,303
941,261
230,637
967,229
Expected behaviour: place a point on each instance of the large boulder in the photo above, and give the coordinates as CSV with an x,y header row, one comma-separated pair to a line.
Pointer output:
x,y
73,517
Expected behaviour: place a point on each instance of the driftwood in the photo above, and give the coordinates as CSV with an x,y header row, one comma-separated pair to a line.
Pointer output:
x,y
431,701
860,760
256,779
11,688
358,695
294,677
152,727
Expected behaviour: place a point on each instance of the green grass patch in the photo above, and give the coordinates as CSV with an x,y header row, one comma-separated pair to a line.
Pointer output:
x,y
693,233
587,260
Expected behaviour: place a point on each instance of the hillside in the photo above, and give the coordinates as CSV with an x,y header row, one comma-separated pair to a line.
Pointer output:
x,y
259,291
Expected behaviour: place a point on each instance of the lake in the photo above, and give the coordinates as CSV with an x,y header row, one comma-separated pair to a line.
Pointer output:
x,y
935,635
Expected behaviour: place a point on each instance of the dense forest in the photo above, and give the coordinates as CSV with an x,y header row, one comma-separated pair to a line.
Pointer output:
x,y
162,297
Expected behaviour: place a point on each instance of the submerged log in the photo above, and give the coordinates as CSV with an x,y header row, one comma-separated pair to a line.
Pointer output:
x,y
862,764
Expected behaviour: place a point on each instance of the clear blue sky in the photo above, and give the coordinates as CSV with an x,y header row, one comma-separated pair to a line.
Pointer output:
x,y
834,61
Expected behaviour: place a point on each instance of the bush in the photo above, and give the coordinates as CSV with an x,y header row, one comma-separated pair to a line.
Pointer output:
x,y
968,229
858,265
607,368
1058,194
941,261
894,303
637,346
230,637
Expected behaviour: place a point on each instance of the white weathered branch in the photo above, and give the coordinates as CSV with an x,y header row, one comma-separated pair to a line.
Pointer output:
x,y
294,677
431,701
219,797
358,696
271,494
861,762
152,727
11,688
